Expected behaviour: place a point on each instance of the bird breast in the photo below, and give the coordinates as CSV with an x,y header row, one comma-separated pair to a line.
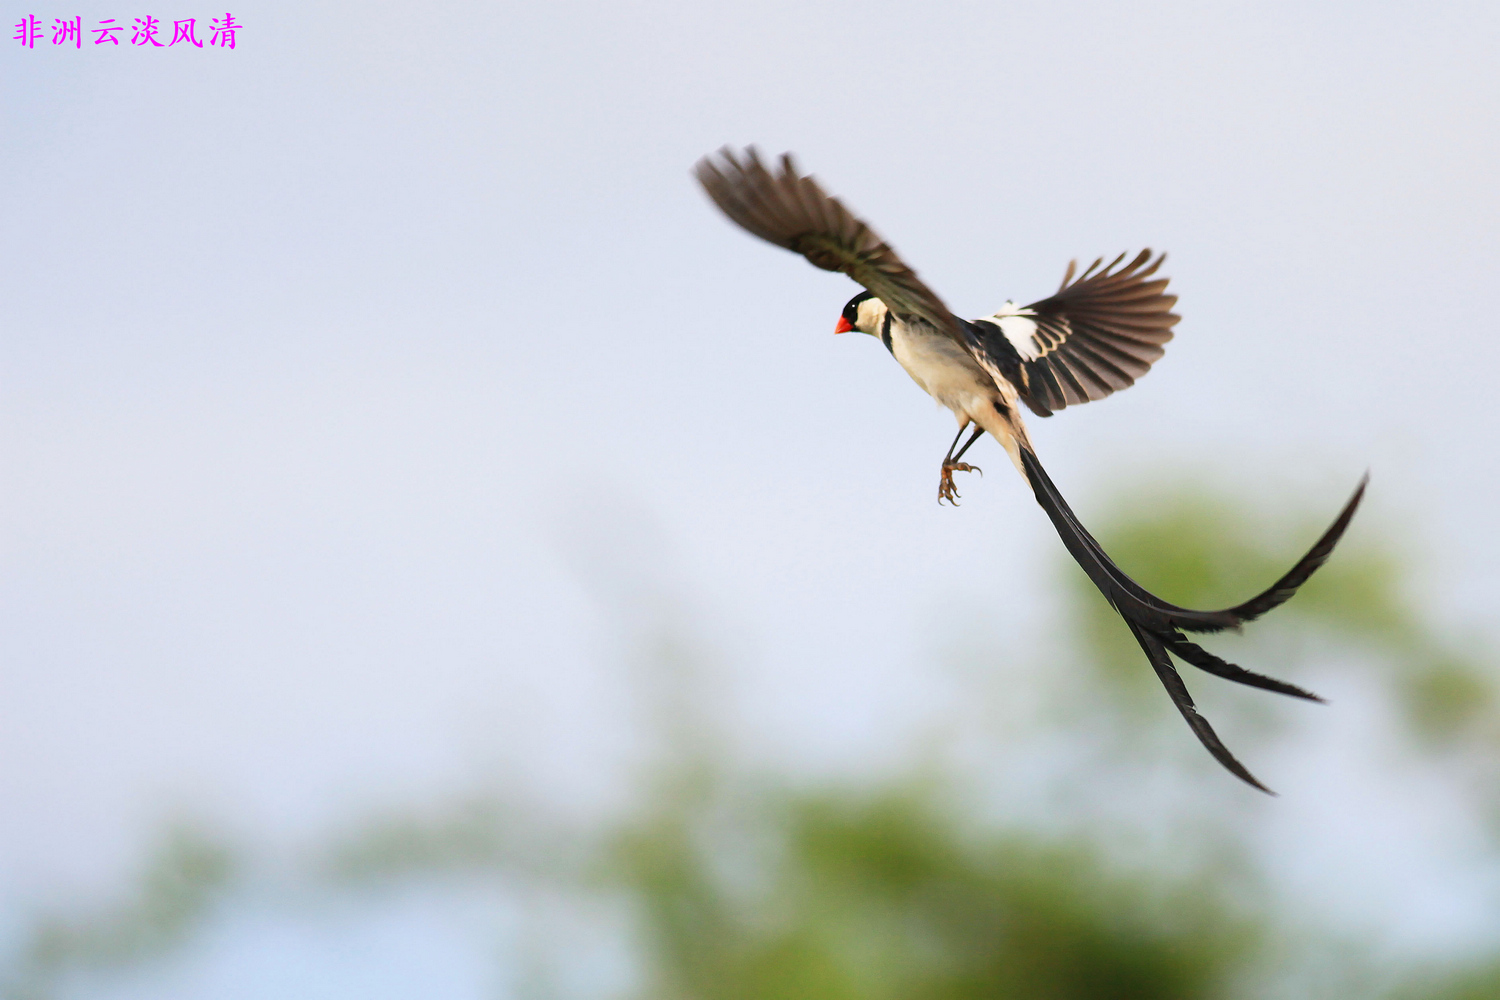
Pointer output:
x,y
943,369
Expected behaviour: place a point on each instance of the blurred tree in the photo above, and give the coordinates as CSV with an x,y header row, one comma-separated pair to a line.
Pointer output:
x,y
747,890
188,873
883,896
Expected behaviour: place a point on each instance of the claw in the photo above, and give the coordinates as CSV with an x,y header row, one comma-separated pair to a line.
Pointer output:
x,y
946,488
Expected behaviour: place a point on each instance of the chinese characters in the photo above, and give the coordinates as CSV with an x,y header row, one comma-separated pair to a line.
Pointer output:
x,y
223,31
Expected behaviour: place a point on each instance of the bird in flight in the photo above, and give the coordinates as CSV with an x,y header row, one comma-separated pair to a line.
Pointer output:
x,y
1097,334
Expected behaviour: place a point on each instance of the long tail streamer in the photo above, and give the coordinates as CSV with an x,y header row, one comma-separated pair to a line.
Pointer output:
x,y
1158,625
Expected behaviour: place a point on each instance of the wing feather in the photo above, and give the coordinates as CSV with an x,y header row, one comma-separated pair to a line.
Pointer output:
x,y
793,212
1095,336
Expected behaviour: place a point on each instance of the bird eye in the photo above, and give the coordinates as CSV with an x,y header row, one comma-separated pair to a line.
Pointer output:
x,y
851,308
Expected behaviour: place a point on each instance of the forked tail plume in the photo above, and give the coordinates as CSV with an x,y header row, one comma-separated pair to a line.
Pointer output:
x,y
1158,625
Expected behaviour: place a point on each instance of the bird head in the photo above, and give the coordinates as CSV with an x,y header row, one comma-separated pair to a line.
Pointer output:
x,y
864,313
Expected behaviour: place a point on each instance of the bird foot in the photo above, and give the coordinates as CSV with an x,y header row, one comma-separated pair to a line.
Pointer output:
x,y
946,490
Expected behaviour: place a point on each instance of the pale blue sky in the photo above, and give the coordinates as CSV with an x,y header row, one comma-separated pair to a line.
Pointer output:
x,y
336,366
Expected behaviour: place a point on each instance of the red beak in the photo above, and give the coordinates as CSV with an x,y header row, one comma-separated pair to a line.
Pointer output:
x,y
843,326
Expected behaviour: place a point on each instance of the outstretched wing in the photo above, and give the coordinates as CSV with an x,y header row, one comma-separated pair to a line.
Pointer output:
x,y
793,212
1093,337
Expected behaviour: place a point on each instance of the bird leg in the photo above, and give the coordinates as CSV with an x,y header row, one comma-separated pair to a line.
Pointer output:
x,y
951,464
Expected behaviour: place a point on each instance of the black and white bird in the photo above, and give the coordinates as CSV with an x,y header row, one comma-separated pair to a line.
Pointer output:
x,y
1096,334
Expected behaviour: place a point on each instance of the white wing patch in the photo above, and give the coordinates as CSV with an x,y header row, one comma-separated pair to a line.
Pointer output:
x,y
1019,328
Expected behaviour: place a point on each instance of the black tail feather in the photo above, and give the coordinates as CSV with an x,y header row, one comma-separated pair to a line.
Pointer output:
x,y
1282,589
1155,623
1191,652
1123,593
1156,652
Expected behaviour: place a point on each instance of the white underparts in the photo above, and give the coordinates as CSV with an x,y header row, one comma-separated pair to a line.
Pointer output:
x,y
948,373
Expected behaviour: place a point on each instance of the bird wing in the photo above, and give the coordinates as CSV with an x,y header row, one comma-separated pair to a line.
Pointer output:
x,y
794,212
1092,337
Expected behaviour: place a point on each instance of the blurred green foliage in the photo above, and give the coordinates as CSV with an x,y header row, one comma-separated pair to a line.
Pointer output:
x,y
188,873
882,897
747,889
